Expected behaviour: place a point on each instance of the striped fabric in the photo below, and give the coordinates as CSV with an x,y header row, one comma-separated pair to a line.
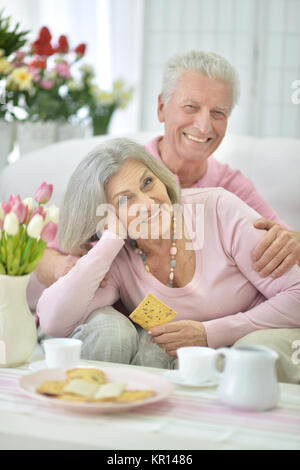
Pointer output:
x,y
180,409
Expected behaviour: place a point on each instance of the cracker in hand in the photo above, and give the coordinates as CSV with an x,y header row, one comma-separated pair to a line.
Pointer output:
x,y
152,312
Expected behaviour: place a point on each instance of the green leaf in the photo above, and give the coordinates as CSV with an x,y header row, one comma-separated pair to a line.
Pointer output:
x,y
16,263
26,249
31,266
2,269
13,40
3,249
10,254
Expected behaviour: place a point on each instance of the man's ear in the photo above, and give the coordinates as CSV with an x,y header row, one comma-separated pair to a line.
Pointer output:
x,y
160,109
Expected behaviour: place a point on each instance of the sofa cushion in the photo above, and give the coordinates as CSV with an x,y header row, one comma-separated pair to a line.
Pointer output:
x,y
272,164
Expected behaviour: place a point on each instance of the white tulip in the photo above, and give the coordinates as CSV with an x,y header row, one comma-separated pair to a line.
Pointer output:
x,y
2,215
35,226
52,214
11,224
29,201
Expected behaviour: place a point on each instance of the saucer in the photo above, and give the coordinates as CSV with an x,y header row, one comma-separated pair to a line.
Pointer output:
x,y
175,377
41,365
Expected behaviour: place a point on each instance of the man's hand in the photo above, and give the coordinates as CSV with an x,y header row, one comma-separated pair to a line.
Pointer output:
x,y
54,265
64,265
177,334
277,251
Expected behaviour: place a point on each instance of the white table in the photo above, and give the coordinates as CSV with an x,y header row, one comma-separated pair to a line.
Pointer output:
x,y
189,419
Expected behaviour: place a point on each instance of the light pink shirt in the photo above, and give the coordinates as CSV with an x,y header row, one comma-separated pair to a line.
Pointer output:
x,y
221,175
225,294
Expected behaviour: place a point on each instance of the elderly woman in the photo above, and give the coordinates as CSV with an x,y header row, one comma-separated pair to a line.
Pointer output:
x,y
189,248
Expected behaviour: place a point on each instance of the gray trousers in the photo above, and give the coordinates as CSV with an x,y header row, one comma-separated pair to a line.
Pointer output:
x,y
110,336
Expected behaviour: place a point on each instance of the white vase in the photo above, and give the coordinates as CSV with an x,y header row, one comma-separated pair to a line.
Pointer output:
x,y
69,131
6,141
18,334
35,135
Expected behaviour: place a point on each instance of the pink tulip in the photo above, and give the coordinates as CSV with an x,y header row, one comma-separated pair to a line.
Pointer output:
x,y
49,232
44,193
38,210
6,206
21,211
14,199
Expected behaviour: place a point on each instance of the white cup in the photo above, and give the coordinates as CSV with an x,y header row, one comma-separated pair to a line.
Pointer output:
x,y
197,364
62,353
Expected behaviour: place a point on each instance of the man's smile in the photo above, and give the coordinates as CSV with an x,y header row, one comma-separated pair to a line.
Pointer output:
x,y
197,139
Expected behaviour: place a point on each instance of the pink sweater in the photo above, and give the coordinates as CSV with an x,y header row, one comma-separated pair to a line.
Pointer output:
x,y
226,294
221,175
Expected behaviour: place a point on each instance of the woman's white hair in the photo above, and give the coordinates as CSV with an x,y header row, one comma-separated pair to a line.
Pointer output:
x,y
86,190
208,63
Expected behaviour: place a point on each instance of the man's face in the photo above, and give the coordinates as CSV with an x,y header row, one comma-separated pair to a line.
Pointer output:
x,y
196,116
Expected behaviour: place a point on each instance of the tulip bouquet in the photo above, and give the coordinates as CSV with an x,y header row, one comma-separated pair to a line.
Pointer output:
x,y
26,227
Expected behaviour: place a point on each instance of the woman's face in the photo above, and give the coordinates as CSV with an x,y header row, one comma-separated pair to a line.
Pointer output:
x,y
140,200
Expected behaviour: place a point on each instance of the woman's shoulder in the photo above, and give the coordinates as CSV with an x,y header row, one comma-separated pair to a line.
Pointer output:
x,y
202,195
219,199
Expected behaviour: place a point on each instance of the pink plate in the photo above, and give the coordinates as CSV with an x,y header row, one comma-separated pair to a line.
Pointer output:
x,y
134,379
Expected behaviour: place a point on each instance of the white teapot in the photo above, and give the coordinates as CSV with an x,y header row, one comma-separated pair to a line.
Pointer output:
x,y
249,378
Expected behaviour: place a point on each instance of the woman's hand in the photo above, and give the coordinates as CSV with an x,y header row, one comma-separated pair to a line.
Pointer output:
x,y
114,224
277,251
177,334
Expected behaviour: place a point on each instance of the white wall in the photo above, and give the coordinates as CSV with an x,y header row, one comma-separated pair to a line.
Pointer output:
x,y
260,37
26,12
133,39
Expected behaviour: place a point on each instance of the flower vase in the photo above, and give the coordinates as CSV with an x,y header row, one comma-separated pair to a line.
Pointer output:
x,y
6,139
36,135
101,119
18,333
68,131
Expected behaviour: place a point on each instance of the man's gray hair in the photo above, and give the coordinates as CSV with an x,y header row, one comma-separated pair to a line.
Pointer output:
x,y
208,63
86,189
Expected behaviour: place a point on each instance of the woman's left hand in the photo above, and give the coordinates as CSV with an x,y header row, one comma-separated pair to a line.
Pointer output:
x,y
174,335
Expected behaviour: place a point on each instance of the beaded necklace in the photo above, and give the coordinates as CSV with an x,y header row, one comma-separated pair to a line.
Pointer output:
x,y
173,253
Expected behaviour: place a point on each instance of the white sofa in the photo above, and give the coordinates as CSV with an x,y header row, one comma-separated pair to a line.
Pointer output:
x,y
273,165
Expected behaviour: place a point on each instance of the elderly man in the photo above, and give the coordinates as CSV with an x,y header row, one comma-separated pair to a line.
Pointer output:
x,y
200,90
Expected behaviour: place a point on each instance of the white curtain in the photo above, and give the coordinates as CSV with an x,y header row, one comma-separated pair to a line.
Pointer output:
x,y
260,37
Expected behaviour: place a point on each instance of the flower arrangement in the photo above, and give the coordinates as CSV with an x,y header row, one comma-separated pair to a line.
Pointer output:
x,y
100,104
11,40
37,77
26,227
44,82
